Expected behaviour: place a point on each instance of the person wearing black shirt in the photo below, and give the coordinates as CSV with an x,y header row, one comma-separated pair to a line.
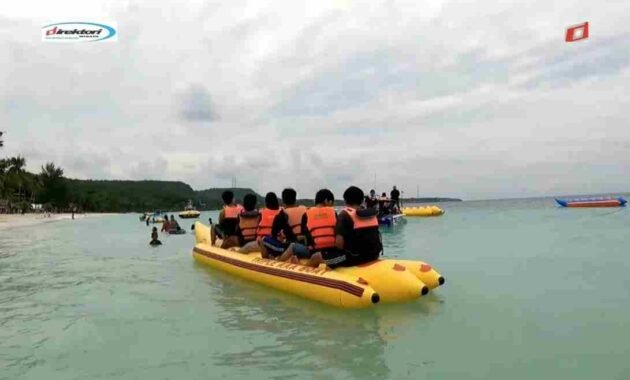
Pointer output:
x,y
371,201
357,230
395,197
286,226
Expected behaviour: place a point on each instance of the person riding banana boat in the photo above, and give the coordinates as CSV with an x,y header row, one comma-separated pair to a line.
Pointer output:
x,y
228,221
347,239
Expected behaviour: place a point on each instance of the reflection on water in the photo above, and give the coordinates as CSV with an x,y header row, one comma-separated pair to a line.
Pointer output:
x,y
298,336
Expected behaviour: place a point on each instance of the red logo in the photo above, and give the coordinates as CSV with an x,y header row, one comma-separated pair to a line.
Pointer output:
x,y
51,31
577,33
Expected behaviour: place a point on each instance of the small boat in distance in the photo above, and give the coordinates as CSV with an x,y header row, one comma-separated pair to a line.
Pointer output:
x,y
189,212
391,220
592,202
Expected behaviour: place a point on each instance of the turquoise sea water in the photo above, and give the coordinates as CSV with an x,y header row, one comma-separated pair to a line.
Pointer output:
x,y
532,291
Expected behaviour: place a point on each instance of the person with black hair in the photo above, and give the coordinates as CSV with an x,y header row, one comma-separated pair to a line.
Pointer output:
x,y
318,227
371,201
357,230
154,237
383,205
395,197
228,220
172,225
166,224
248,220
267,215
286,228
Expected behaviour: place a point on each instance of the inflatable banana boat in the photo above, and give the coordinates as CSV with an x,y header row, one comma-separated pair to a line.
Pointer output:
x,y
362,286
592,202
189,214
423,211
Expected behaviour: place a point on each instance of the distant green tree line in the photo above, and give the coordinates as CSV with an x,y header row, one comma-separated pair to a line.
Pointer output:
x,y
20,189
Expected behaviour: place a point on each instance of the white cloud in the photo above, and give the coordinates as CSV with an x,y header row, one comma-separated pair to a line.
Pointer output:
x,y
464,99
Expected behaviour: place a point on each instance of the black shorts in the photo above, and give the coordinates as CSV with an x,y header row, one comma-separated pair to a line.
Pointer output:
x,y
334,257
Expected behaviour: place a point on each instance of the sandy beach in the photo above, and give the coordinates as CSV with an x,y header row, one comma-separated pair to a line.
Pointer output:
x,y
17,220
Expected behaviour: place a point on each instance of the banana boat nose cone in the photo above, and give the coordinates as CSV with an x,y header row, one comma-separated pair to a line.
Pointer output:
x,y
441,280
375,298
425,290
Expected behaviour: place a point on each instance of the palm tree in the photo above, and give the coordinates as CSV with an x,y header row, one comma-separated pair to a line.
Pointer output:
x,y
50,174
53,185
4,165
14,176
16,165
1,141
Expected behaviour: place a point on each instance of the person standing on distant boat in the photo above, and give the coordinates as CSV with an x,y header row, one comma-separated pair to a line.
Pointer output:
x,y
395,198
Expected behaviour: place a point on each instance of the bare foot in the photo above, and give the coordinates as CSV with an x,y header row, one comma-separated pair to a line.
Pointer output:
x,y
294,260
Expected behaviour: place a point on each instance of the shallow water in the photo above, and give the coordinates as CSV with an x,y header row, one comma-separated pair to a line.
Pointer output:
x,y
532,291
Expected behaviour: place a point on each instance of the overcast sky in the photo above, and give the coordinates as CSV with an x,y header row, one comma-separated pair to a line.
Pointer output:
x,y
467,99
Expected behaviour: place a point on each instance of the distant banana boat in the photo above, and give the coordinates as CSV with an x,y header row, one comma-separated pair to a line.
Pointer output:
x,y
189,212
423,211
361,286
592,202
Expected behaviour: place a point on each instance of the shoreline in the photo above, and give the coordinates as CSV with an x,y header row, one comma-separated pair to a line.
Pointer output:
x,y
8,221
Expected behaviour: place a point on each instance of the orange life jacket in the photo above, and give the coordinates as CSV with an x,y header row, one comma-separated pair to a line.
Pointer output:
x,y
266,222
294,215
361,221
232,212
321,222
248,225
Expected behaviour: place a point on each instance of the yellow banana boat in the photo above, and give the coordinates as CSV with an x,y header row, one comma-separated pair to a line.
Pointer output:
x,y
423,211
347,287
188,214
